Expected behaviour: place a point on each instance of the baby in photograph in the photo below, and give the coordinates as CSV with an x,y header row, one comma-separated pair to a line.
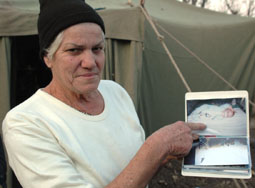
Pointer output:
x,y
213,112
220,118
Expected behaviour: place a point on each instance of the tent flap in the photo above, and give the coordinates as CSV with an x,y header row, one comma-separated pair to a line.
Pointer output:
x,y
17,21
125,24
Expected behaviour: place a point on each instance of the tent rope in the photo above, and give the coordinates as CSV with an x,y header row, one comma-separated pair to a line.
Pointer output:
x,y
197,57
200,60
161,39
142,2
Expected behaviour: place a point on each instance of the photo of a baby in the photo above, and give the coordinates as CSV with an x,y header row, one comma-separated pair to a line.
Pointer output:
x,y
221,116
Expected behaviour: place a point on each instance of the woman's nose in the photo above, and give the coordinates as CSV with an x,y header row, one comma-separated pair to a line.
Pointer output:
x,y
88,59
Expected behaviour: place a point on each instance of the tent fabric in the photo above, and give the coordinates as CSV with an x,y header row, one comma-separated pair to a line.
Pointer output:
x,y
18,17
229,49
124,24
21,19
123,65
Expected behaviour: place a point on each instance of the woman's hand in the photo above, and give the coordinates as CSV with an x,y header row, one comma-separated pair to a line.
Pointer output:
x,y
176,139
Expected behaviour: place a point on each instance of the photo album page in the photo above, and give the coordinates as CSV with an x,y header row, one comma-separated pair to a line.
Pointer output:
x,y
223,148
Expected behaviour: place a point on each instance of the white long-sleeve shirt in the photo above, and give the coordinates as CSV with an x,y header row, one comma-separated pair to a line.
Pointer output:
x,y
51,144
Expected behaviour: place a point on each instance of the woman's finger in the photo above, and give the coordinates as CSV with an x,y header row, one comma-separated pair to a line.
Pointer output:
x,y
197,126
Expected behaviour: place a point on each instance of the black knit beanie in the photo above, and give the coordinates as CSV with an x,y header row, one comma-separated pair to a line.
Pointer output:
x,y
57,15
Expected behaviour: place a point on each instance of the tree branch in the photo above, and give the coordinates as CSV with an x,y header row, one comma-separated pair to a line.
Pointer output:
x,y
230,7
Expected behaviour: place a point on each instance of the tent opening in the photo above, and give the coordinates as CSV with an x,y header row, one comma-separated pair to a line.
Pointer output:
x,y
28,72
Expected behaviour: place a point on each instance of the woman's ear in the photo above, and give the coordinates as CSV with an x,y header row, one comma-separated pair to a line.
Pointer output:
x,y
47,61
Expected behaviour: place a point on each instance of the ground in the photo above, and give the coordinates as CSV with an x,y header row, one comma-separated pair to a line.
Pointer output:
x,y
170,175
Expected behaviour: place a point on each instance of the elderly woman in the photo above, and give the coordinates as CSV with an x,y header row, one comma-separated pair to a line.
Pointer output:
x,y
81,131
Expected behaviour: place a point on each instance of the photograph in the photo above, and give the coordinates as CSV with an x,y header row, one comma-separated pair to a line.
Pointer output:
x,y
225,117
219,151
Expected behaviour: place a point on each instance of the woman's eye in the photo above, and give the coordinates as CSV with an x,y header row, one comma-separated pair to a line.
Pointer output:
x,y
97,49
74,50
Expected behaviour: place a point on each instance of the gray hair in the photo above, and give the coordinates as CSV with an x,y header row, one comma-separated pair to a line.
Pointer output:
x,y
54,46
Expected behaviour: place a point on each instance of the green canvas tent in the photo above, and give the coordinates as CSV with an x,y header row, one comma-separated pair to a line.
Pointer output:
x,y
136,59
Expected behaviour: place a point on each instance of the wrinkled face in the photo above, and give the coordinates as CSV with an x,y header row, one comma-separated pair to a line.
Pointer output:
x,y
79,60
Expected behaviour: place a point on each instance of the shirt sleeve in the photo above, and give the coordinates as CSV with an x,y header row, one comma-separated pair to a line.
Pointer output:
x,y
36,157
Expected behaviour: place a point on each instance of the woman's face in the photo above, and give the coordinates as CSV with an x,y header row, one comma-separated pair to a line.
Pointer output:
x,y
79,60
